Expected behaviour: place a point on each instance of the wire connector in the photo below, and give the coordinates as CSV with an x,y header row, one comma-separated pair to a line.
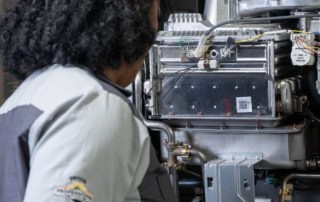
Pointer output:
x,y
303,54
202,48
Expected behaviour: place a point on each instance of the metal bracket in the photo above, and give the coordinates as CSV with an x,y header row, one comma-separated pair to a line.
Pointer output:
x,y
231,178
241,156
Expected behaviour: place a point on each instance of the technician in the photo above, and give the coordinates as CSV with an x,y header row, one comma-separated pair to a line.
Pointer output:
x,y
69,133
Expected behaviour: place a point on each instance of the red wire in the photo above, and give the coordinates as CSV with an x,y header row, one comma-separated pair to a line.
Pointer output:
x,y
300,42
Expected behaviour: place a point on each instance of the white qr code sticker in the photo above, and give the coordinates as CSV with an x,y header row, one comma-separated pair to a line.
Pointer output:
x,y
244,104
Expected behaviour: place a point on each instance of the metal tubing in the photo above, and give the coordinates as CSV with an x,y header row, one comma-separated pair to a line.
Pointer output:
x,y
229,9
159,126
138,91
210,11
203,160
199,154
245,131
174,180
294,176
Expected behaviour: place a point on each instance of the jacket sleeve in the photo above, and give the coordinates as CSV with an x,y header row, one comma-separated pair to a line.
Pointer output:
x,y
96,150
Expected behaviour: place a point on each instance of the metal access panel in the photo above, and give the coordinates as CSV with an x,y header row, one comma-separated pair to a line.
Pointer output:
x,y
215,95
250,7
230,180
241,87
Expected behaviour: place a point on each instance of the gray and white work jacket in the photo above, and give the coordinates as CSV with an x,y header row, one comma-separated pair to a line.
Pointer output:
x,y
68,136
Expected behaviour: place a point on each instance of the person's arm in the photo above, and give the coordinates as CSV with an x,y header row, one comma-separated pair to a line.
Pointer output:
x,y
95,151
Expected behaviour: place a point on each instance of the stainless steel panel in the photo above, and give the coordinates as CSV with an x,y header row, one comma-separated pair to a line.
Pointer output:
x,y
251,7
281,147
172,72
216,11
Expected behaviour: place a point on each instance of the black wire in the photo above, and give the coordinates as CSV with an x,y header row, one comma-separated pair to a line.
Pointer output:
x,y
307,110
185,70
166,77
192,173
175,81
259,20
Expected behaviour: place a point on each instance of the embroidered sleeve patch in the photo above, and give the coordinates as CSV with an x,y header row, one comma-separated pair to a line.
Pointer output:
x,y
75,191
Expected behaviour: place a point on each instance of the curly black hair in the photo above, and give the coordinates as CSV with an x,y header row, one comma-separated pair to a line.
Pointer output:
x,y
92,33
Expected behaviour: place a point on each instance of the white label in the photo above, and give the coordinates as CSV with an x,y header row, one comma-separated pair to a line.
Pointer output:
x,y
244,104
301,57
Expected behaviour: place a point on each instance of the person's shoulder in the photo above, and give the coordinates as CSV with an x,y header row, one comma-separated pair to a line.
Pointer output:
x,y
67,78
77,81
52,86
58,84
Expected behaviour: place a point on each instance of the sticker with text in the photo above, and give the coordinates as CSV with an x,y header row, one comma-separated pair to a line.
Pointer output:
x,y
244,104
